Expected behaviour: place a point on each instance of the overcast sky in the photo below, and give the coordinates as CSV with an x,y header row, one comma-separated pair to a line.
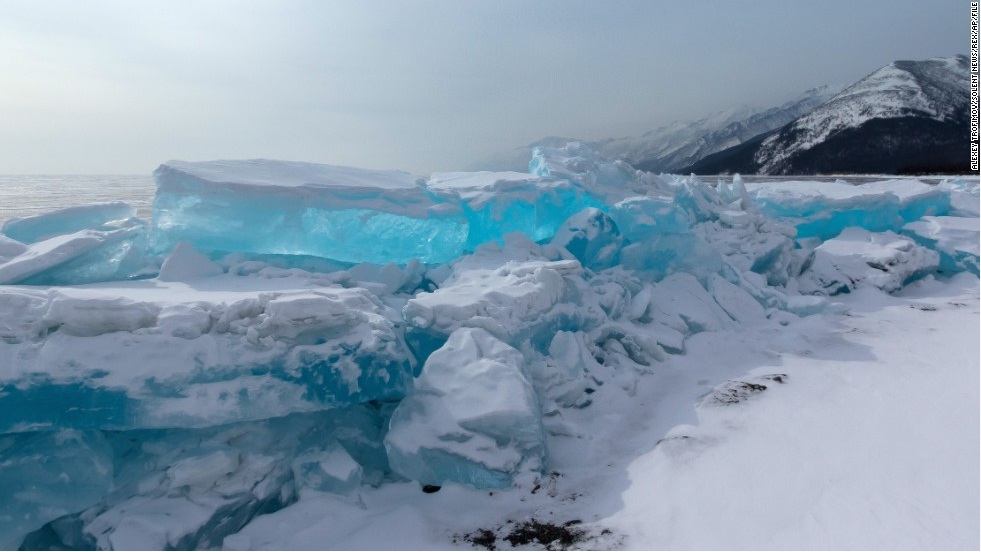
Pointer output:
x,y
103,86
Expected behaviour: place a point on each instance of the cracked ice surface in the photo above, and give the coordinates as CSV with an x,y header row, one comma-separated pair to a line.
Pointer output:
x,y
282,330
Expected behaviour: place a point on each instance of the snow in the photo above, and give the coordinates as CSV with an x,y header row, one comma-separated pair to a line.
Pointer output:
x,y
473,418
857,449
645,361
186,263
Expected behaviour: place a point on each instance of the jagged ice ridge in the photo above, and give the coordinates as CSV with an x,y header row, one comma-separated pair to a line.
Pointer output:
x,y
286,328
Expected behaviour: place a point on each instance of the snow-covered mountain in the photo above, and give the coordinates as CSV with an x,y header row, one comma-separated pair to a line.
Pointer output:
x,y
707,138
905,117
677,140
680,143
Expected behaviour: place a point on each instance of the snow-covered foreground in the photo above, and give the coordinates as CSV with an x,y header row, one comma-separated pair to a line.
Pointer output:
x,y
870,441
305,356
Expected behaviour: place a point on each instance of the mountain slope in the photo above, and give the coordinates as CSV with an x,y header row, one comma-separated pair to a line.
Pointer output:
x,y
909,116
710,140
680,143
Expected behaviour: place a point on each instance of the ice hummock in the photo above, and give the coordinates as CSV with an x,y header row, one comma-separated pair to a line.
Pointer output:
x,y
115,251
857,257
956,239
474,418
824,209
189,360
96,216
352,215
343,213
315,330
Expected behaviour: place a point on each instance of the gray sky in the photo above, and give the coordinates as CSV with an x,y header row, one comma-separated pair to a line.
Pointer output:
x,y
115,86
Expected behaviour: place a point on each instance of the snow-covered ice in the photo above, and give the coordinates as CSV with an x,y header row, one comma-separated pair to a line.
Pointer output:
x,y
956,239
289,354
168,355
824,209
473,419
858,257
97,216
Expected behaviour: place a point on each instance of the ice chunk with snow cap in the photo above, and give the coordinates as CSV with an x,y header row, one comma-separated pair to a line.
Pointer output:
x,y
858,257
341,213
83,257
751,243
824,209
515,293
964,196
109,360
473,418
955,238
97,216
565,374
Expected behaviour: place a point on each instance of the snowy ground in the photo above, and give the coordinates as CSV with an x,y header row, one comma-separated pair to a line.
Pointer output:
x,y
869,442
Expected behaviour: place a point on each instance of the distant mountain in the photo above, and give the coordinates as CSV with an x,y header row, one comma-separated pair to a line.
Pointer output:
x,y
907,117
661,148
681,143
709,138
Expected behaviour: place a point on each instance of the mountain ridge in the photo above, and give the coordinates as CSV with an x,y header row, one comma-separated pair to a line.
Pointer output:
x,y
678,143
905,117
908,116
